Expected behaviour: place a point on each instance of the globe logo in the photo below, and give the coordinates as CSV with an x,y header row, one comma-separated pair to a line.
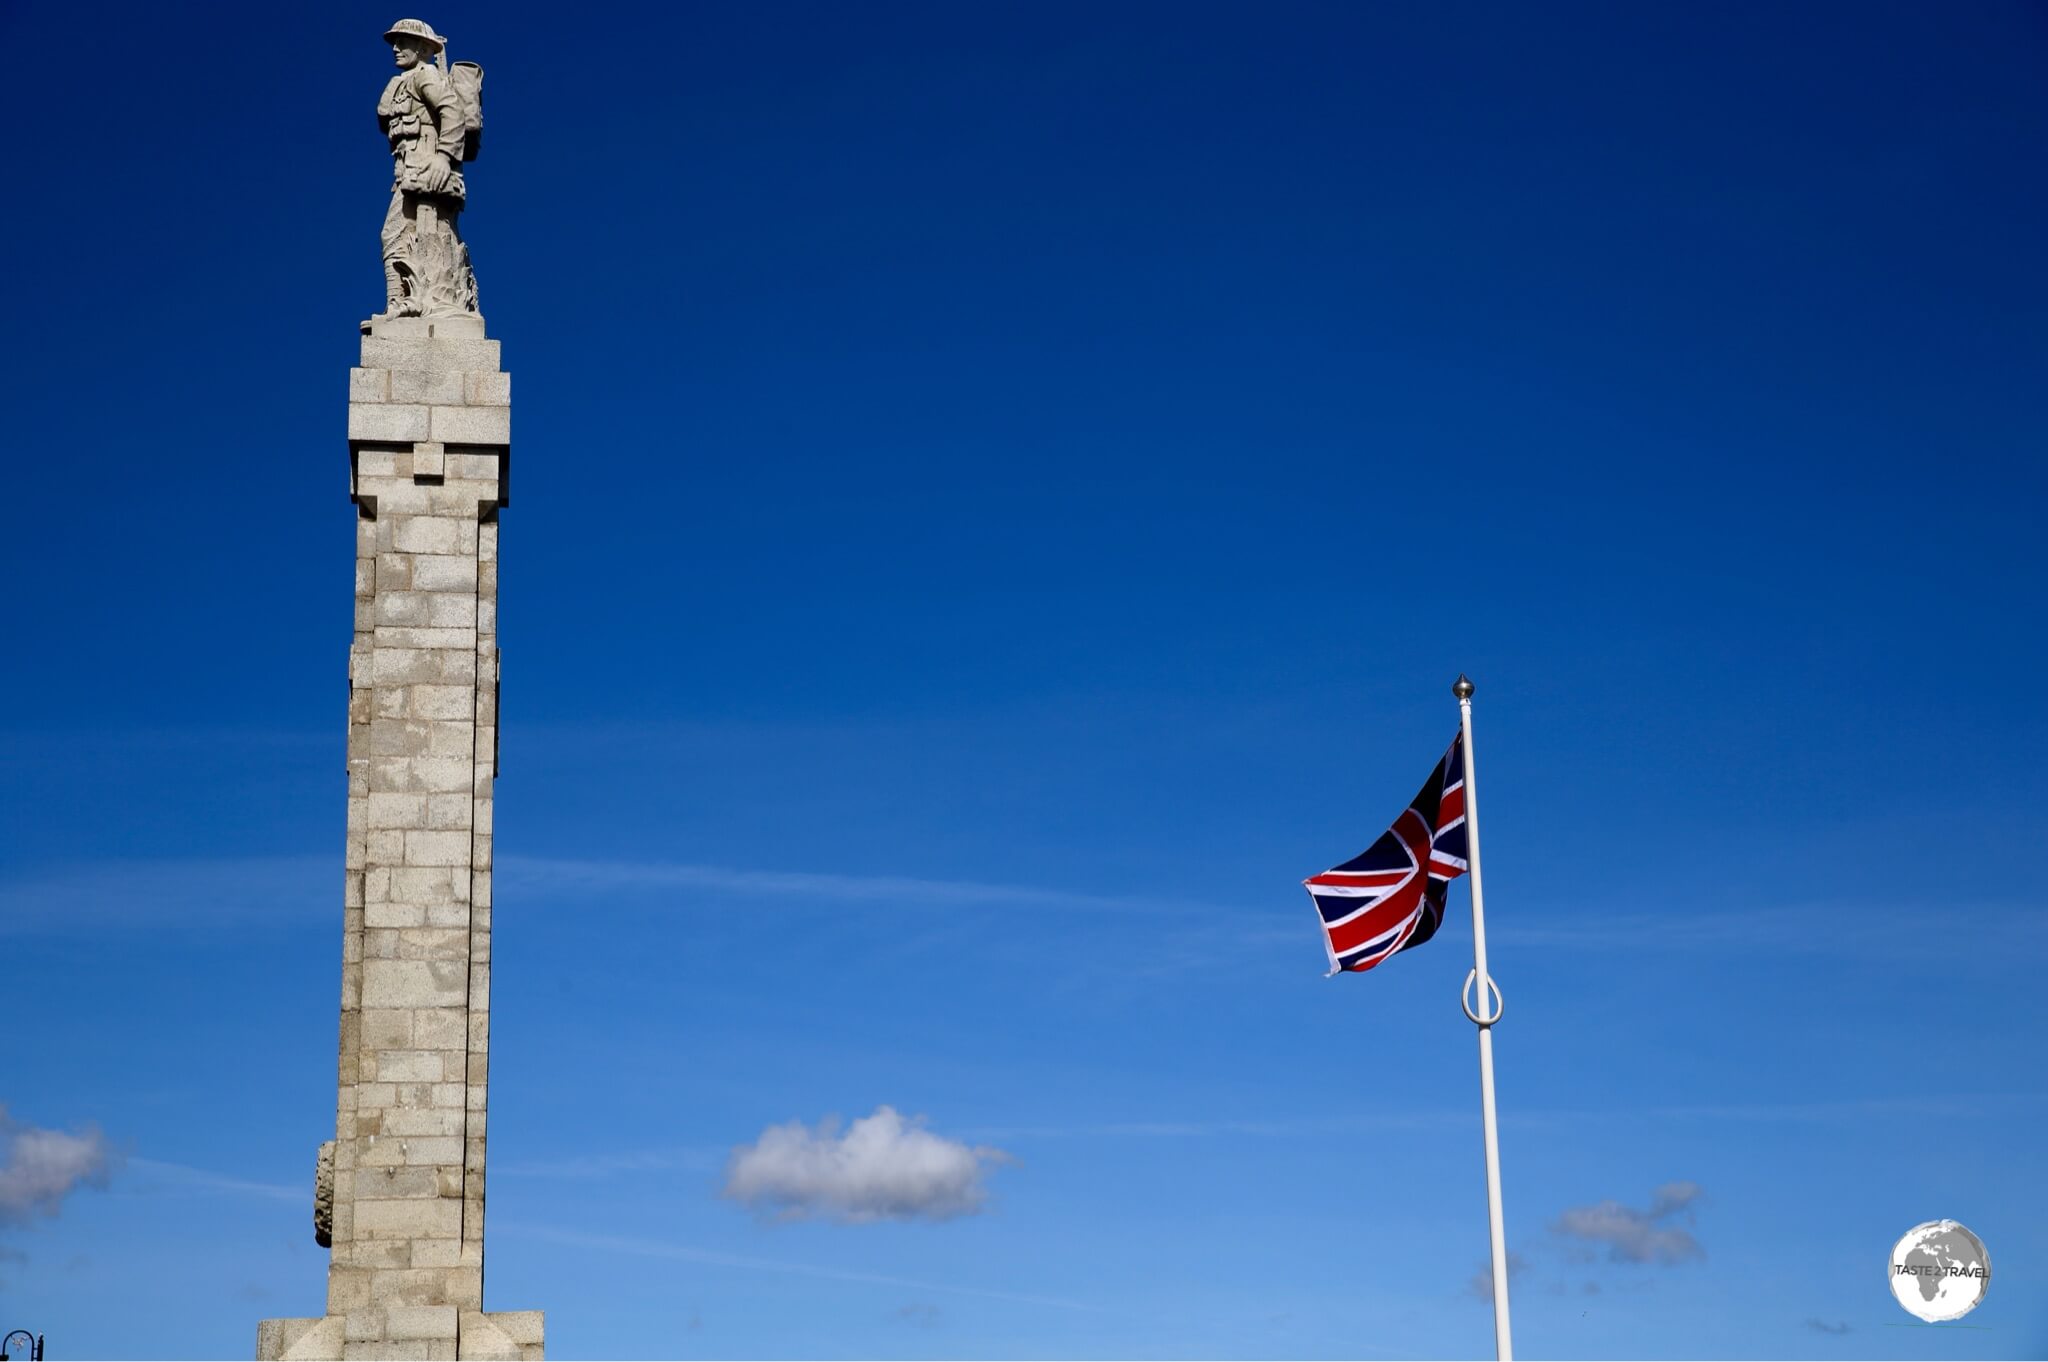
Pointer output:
x,y
1939,1271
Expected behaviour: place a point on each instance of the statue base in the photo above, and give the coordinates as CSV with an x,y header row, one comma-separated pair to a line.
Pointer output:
x,y
455,326
437,1332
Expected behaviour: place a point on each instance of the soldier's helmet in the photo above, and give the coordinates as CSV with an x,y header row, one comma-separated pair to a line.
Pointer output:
x,y
415,28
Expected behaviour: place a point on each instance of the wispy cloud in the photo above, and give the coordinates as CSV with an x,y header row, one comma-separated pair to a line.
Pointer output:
x,y
1211,1129
300,891
183,1177
171,895
1637,1236
293,891
882,1167
1480,1287
40,1167
931,914
698,1159
1821,1326
593,1166
1459,1118
1849,1109
550,877
1864,930
656,1248
9,1257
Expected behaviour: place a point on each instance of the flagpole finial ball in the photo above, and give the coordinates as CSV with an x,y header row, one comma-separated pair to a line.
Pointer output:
x,y
1462,687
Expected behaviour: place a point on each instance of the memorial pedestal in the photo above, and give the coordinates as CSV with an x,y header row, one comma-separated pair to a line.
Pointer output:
x,y
429,432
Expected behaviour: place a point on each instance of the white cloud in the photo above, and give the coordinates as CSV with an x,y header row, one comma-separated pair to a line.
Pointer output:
x,y
883,1167
39,1167
1633,1236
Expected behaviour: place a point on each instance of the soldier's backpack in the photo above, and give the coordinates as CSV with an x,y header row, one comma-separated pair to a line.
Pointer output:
x,y
466,78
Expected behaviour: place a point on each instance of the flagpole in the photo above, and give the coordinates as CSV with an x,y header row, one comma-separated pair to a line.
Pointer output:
x,y
1503,1344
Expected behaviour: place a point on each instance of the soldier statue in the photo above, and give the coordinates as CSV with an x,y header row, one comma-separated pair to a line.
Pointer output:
x,y
430,114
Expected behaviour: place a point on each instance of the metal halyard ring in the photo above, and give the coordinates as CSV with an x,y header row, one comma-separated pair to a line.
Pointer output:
x,y
1465,999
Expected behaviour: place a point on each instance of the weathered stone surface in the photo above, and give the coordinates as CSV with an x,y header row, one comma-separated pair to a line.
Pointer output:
x,y
430,534
407,1218
435,387
408,636
471,425
412,983
387,1028
381,352
464,327
503,1336
445,572
420,1321
396,810
527,1328
408,1066
408,1121
444,702
441,1028
369,385
386,423
280,1339
437,848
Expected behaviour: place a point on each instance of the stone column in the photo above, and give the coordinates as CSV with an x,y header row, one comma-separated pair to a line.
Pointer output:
x,y
429,445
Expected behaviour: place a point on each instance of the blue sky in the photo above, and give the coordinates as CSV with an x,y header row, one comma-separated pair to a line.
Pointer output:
x,y
1002,493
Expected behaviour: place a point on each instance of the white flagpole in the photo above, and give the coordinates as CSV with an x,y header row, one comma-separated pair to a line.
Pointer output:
x,y
1503,1344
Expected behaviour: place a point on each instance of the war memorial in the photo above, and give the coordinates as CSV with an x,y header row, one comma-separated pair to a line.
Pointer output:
x,y
399,1197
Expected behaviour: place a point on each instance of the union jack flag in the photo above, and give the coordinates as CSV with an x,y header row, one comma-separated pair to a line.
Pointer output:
x,y
1390,897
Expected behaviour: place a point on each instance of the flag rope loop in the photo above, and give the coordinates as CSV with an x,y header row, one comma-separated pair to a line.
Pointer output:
x,y
1466,999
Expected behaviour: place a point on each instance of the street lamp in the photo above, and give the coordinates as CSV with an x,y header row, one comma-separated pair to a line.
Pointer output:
x,y
35,1345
